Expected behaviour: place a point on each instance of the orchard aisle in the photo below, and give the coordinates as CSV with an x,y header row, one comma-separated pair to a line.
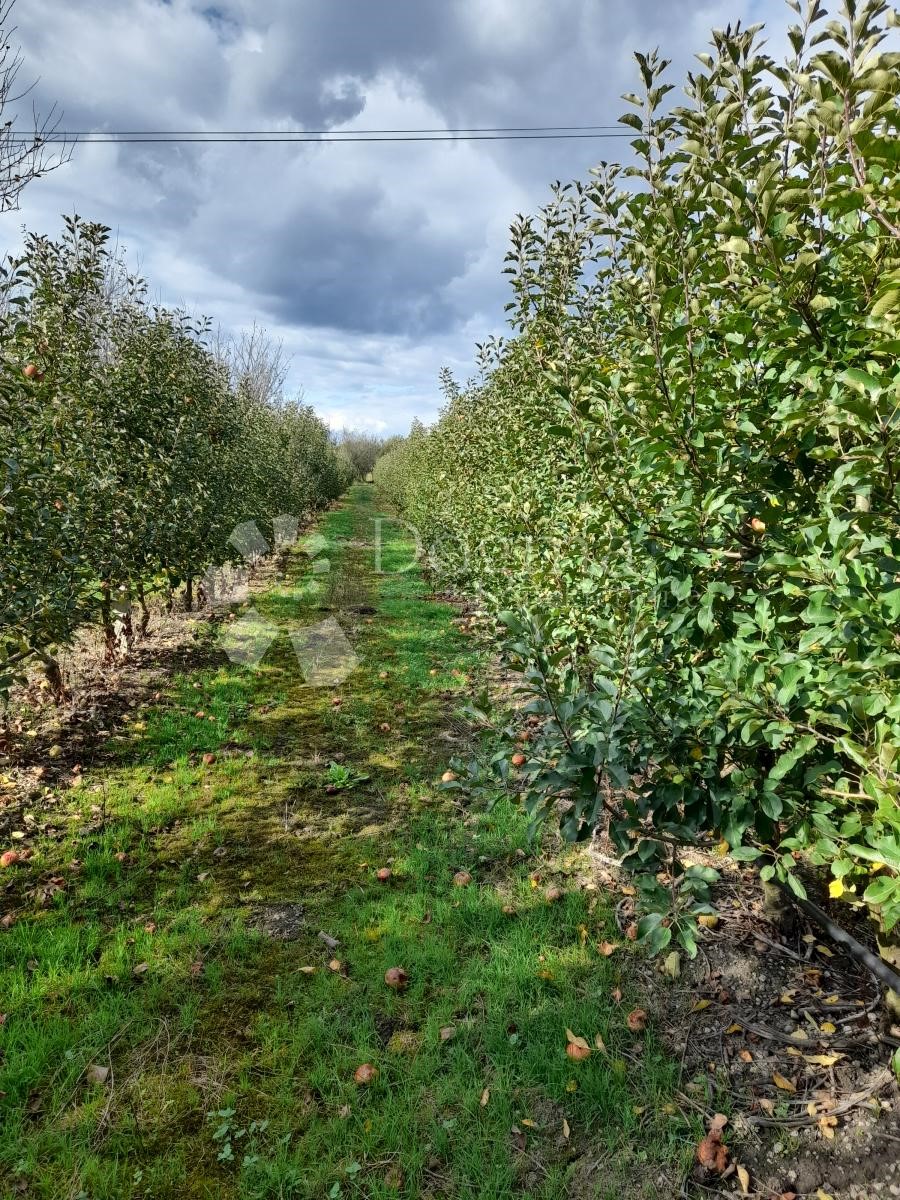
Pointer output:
x,y
194,970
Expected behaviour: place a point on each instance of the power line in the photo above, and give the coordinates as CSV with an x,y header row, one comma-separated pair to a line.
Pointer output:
x,y
332,132
262,137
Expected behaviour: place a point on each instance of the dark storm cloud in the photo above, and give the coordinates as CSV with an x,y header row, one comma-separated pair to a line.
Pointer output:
x,y
399,247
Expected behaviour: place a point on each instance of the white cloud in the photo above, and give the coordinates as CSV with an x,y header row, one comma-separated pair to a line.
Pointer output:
x,y
375,264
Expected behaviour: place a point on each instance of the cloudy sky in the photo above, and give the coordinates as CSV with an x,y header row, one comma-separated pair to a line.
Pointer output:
x,y
375,264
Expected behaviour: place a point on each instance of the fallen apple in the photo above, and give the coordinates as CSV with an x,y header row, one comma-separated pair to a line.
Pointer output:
x,y
396,978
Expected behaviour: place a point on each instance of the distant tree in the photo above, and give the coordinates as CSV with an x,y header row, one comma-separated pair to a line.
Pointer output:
x,y
28,153
362,449
257,364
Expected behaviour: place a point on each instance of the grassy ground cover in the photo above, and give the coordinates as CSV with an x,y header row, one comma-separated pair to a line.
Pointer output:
x,y
159,1041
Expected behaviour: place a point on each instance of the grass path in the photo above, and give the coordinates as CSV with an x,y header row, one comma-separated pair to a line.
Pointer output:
x,y
159,1042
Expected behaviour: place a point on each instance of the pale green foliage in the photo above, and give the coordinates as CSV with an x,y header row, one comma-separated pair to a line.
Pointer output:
x,y
127,454
681,475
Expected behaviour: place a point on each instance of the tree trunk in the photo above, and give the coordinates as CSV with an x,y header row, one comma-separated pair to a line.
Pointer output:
x,y
109,632
126,630
189,594
53,675
778,908
889,951
145,611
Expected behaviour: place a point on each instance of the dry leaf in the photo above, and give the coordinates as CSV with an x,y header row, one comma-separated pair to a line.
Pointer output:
x,y
745,1056
800,1035
824,1060
744,1177
141,969
528,1122
734,1028
608,948
826,1125
97,1074
820,1195
307,970
565,1129
574,1040
781,1082
766,1104
485,1097
701,1005
824,950
599,1042
448,1032
827,1027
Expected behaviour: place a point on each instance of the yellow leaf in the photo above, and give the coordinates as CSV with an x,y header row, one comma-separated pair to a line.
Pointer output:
x,y
824,950
787,997
734,1028
836,889
576,1041
701,1005
800,1035
527,1121
572,1085
628,890
744,1176
824,1060
745,1056
485,1097
599,1042
820,1195
781,1082
831,999
794,1052
565,1129
827,1027
826,1125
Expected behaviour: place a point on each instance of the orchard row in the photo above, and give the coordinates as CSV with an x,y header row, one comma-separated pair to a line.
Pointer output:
x,y
678,482
130,448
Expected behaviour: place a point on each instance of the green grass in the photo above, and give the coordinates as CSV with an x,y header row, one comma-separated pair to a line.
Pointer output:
x,y
232,1054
